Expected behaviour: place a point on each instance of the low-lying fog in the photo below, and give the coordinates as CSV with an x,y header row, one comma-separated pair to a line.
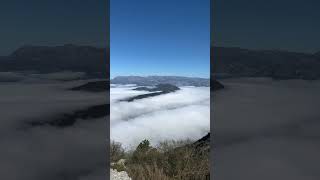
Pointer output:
x,y
263,129
267,129
184,114
47,152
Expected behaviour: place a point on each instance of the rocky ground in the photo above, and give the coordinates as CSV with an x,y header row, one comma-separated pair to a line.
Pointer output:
x,y
115,175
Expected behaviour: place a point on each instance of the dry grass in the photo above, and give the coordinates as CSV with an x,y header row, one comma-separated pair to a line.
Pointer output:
x,y
147,172
116,151
171,160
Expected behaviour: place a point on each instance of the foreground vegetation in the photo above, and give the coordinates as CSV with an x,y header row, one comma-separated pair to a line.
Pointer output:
x,y
170,160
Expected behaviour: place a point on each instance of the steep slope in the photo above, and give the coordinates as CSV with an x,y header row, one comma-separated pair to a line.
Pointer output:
x,y
216,85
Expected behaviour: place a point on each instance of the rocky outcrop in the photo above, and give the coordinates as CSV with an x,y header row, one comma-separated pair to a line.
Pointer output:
x,y
115,175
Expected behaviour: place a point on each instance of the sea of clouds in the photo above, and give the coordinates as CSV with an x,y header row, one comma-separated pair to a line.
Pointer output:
x,y
47,152
265,129
184,114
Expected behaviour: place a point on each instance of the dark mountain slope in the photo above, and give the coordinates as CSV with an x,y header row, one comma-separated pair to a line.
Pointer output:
x,y
216,85
202,146
159,87
46,59
237,62
94,86
163,88
69,119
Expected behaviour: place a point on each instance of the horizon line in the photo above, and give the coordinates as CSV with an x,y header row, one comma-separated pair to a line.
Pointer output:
x,y
111,77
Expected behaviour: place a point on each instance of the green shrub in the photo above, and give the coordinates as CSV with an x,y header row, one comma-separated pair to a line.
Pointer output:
x,y
118,167
171,160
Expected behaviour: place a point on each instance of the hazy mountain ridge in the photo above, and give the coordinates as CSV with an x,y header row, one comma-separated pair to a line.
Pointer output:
x,y
238,62
48,59
155,80
231,62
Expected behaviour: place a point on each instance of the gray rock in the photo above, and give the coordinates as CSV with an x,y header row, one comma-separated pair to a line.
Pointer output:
x,y
115,175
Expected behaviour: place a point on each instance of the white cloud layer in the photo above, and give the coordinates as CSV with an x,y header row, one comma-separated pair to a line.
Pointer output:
x,y
267,130
45,152
179,115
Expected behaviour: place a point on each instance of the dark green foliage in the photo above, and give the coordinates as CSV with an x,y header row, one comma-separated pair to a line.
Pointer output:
x,y
144,146
118,167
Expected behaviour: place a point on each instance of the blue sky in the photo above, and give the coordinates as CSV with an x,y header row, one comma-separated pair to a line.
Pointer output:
x,y
153,37
290,25
52,23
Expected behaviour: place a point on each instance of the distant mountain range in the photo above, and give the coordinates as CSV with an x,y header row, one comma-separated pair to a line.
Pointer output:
x,y
155,80
237,62
228,62
48,59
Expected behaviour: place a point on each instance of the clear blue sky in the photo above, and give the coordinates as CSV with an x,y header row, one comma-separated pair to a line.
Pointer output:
x,y
51,23
153,37
291,25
